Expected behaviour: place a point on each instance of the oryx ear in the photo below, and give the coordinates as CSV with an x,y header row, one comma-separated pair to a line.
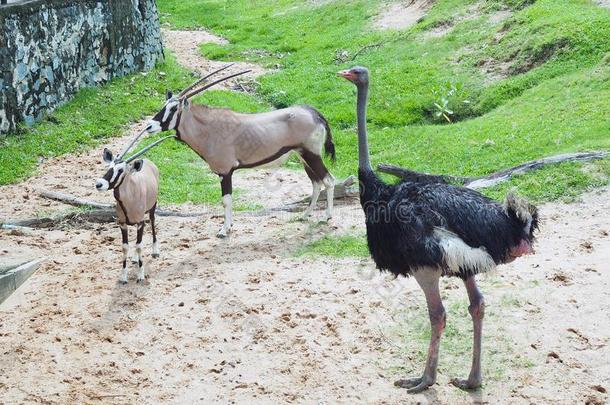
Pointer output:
x,y
107,156
169,95
137,165
186,104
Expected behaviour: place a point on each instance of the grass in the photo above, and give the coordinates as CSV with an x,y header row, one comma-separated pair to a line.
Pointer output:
x,y
554,99
336,246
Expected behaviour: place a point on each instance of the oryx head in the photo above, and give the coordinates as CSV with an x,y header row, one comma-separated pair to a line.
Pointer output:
x,y
169,116
117,170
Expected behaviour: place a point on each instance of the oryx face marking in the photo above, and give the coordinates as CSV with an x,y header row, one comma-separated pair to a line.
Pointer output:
x,y
167,118
113,176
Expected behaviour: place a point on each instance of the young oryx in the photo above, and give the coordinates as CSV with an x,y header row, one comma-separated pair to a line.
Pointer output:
x,y
136,186
228,141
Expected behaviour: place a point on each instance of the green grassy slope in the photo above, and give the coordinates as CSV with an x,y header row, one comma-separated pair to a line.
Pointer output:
x,y
554,98
552,93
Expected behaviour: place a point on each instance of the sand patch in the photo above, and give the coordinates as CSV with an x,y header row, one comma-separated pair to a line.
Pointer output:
x,y
185,45
402,15
242,321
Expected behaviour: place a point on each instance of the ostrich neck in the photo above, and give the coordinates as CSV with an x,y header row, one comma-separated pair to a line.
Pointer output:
x,y
364,162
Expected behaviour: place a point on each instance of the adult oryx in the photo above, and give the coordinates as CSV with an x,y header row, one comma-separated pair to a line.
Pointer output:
x,y
228,141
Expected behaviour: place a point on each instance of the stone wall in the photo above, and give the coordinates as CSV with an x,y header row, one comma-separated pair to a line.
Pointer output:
x,y
49,49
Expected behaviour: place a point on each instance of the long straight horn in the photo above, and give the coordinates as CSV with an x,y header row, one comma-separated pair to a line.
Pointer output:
x,y
207,86
146,149
198,82
133,142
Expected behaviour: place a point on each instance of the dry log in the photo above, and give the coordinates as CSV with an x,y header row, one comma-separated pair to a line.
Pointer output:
x,y
81,202
498,177
72,200
343,189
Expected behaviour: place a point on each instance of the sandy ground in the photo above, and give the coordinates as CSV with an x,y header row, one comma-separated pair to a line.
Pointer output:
x,y
243,320
402,15
185,44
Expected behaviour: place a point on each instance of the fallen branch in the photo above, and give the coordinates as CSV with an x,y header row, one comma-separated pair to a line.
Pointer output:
x,y
105,213
498,177
81,202
72,200
342,190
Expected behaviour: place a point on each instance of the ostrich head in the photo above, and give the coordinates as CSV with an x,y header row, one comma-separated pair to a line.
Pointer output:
x,y
358,75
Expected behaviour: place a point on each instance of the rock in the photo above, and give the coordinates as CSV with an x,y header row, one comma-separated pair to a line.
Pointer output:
x,y
97,42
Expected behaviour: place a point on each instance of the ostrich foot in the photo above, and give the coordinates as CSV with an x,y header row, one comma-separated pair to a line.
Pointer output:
x,y
414,385
469,384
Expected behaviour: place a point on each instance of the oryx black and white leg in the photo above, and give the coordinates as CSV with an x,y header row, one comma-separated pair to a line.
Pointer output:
x,y
320,177
125,247
316,186
140,264
226,185
155,246
329,186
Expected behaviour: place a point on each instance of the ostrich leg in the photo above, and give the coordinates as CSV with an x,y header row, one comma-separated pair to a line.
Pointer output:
x,y
477,311
428,280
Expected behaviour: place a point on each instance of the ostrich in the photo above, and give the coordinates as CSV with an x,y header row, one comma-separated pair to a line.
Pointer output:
x,y
426,228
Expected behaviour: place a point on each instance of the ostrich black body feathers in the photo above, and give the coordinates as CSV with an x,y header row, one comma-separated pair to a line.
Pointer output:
x,y
406,224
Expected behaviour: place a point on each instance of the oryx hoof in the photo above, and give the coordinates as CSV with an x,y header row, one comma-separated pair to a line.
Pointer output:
x,y
155,255
123,282
223,233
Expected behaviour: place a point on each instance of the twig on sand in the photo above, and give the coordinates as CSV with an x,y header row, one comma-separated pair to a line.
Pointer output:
x,y
102,396
366,48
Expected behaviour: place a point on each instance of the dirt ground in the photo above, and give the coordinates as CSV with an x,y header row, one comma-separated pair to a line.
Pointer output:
x,y
401,15
244,320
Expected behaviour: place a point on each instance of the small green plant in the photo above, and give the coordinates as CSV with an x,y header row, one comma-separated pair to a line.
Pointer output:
x,y
446,96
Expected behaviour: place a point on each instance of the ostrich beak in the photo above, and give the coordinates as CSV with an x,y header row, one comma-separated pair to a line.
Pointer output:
x,y
347,75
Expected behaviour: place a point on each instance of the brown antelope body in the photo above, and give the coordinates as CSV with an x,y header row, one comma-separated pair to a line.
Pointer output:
x,y
136,188
229,141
